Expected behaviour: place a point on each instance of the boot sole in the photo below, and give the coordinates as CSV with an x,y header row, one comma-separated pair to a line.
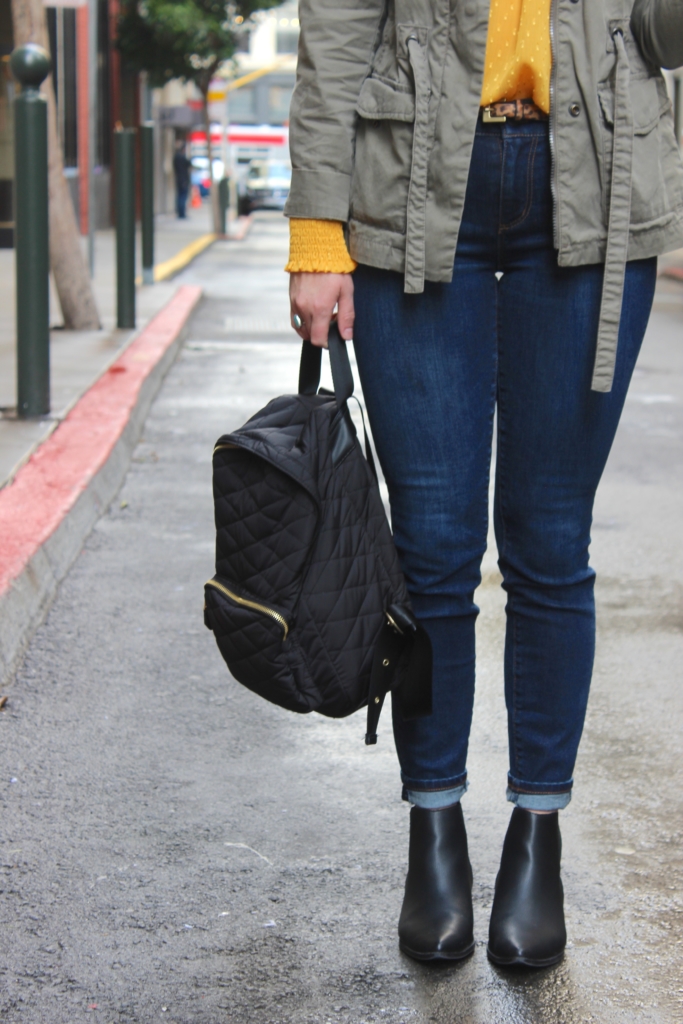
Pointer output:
x,y
459,955
523,961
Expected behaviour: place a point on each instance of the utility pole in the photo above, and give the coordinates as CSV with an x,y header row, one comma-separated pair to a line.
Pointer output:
x,y
147,169
124,154
92,148
30,65
70,272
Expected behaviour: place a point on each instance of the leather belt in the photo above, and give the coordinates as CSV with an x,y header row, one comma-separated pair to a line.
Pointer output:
x,y
513,110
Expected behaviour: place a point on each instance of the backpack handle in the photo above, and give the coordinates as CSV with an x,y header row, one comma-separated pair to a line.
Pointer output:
x,y
311,363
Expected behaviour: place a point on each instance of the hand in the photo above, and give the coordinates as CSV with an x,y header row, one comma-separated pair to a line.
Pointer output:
x,y
314,297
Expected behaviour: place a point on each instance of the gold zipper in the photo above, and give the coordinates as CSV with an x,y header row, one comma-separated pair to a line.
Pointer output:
x,y
270,612
221,447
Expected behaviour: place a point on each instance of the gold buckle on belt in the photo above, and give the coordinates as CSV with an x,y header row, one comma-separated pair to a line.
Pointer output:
x,y
489,118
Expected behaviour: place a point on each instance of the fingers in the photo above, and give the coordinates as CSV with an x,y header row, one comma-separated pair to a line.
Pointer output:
x,y
320,326
346,312
297,313
313,298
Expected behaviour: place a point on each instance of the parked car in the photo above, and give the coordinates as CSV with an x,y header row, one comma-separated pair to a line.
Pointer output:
x,y
266,186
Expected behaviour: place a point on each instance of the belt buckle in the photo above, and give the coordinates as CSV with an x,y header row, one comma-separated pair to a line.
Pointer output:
x,y
489,118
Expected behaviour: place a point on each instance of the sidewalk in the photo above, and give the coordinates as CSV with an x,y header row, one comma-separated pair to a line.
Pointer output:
x,y
79,357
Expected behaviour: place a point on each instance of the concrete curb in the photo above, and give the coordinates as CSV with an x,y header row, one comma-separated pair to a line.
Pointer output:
x,y
57,497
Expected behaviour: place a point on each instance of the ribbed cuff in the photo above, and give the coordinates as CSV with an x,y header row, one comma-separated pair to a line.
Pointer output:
x,y
318,246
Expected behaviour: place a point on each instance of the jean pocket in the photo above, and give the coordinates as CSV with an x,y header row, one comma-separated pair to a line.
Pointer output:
x,y
518,200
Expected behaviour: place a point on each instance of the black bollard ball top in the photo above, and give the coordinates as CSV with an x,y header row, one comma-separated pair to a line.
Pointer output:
x,y
30,64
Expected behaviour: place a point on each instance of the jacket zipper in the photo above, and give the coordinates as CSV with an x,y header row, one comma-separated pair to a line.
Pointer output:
x,y
264,609
551,122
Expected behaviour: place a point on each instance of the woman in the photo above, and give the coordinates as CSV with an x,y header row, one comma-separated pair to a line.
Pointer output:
x,y
488,191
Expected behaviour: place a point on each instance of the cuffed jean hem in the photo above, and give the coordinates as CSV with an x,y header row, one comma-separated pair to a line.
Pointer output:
x,y
435,799
539,801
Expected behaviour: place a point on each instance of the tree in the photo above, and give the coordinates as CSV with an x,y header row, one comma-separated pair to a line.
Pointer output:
x,y
187,39
70,273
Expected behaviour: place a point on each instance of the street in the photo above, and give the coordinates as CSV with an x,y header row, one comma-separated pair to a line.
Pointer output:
x,y
173,848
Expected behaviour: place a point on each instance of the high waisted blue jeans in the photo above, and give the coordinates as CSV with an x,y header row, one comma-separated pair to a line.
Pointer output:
x,y
515,334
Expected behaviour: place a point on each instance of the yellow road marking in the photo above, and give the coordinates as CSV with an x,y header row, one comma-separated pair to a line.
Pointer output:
x,y
168,268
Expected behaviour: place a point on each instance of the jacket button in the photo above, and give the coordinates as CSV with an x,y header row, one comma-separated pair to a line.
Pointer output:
x,y
575,110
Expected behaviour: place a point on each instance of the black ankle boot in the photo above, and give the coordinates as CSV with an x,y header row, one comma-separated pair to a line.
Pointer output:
x,y
436,918
527,919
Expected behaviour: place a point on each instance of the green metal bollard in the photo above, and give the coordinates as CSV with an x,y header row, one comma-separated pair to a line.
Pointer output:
x,y
31,65
147,160
223,201
124,155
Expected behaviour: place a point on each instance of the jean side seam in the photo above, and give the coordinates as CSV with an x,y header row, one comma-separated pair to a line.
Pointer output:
x,y
515,692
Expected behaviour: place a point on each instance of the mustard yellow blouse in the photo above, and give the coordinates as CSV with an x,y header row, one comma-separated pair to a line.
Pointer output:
x,y
517,67
518,54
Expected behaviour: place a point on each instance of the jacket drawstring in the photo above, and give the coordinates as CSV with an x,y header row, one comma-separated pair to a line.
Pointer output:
x,y
417,191
618,229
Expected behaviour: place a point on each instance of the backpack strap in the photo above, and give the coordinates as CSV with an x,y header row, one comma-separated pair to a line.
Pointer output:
x,y
309,368
388,651
340,365
311,364
402,662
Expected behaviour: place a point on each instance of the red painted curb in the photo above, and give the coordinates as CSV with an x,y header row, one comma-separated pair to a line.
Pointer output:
x,y
48,486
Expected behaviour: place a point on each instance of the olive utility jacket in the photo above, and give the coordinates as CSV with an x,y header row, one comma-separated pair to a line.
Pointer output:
x,y
385,110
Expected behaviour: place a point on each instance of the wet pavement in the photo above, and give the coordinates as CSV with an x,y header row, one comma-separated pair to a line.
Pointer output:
x,y
174,849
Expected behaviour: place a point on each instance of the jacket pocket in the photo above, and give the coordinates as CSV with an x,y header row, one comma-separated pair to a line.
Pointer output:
x,y
383,160
380,101
649,199
253,638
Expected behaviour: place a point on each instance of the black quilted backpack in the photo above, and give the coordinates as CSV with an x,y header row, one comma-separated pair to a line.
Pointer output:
x,y
308,605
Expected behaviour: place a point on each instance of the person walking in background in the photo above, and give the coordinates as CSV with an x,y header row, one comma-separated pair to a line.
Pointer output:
x,y
181,172
485,185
